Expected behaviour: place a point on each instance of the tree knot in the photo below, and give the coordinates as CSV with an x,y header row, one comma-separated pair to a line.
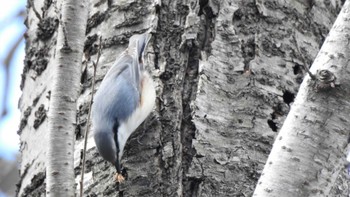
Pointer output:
x,y
325,79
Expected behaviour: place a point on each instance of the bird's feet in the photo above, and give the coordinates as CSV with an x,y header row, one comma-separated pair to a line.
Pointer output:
x,y
119,177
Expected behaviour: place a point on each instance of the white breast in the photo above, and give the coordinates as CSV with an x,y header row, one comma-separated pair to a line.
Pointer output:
x,y
148,97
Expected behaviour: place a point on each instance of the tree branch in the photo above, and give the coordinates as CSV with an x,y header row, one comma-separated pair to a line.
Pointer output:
x,y
88,118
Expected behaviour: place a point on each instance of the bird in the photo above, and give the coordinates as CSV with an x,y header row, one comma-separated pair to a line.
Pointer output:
x,y
124,99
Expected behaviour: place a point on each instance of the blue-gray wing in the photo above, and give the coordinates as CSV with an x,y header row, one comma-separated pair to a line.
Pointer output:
x,y
118,95
120,91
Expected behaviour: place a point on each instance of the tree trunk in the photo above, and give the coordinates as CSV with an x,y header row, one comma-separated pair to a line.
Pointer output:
x,y
226,72
63,100
310,150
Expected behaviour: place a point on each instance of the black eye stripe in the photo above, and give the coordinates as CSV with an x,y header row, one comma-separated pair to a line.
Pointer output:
x,y
115,131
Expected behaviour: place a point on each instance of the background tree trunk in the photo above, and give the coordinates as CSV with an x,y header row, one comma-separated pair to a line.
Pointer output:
x,y
310,149
226,72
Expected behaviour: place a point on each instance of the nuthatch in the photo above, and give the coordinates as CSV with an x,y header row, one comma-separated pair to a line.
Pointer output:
x,y
124,99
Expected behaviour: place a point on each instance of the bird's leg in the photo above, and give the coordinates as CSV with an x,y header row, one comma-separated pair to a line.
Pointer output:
x,y
118,176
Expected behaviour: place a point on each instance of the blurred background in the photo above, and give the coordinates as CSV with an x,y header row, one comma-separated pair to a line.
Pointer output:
x,y
12,14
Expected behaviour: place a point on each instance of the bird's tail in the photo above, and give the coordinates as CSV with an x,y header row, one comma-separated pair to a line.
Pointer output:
x,y
137,45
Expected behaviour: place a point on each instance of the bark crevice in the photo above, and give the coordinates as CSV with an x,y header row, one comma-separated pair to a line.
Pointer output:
x,y
188,129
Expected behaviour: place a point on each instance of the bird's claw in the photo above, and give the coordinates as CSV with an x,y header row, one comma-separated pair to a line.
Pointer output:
x,y
118,178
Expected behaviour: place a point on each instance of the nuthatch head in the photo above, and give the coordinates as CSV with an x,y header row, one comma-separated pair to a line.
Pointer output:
x,y
124,99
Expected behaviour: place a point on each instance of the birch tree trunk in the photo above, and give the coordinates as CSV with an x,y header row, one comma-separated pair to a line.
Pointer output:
x,y
64,95
310,150
226,72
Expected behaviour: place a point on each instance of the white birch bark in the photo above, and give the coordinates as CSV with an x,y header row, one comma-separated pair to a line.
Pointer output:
x,y
309,152
66,86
